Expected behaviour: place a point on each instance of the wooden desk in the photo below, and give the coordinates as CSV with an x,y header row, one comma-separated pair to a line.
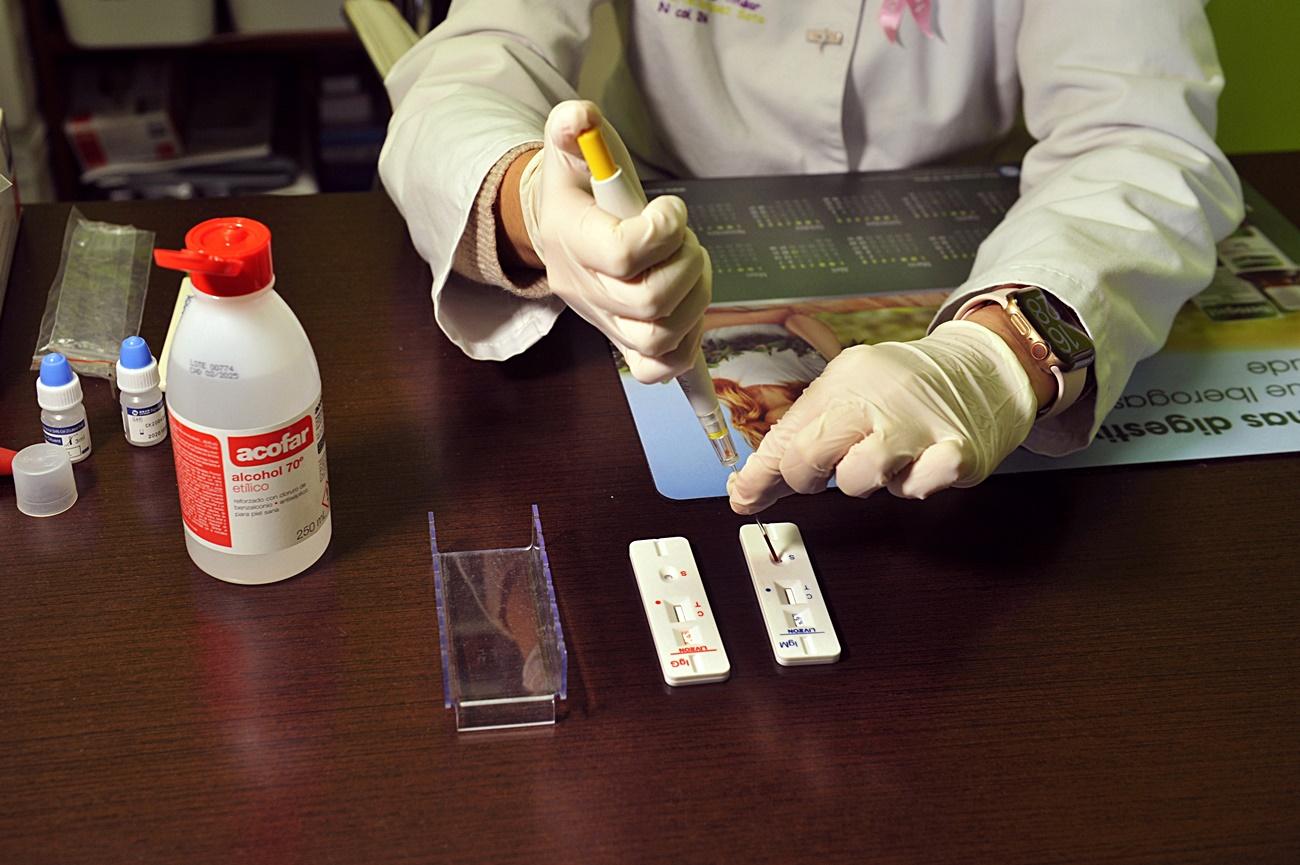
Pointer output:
x,y
1124,689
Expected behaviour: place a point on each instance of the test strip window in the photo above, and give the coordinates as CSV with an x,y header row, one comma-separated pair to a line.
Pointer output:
x,y
794,611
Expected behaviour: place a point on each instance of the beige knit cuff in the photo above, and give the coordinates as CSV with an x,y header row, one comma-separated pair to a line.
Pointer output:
x,y
476,255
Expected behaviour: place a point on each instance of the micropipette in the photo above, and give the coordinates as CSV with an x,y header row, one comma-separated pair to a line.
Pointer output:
x,y
619,194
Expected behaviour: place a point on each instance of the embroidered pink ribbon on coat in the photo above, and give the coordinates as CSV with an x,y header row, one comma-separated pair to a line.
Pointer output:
x,y
891,16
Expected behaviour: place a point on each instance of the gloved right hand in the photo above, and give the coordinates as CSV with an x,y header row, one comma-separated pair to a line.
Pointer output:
x,y
645,282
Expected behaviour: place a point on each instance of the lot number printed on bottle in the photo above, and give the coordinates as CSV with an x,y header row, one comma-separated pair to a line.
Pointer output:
x,y
253,491
146,424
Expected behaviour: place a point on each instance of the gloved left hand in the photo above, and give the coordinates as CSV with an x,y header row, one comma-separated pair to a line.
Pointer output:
x,y
916,417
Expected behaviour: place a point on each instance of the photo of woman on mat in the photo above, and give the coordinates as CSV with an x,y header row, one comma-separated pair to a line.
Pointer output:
x,y
762,359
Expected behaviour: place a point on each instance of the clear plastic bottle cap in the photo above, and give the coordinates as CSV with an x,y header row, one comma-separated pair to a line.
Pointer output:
x,y
44,484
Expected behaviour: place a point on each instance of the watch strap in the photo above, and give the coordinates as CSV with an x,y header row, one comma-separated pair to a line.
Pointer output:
x,y
1069,387
1069,383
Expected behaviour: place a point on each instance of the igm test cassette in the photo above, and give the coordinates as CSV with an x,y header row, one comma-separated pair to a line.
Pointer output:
x,y
794,611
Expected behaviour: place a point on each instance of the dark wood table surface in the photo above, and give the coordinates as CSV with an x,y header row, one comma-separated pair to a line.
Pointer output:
x,y
1120,686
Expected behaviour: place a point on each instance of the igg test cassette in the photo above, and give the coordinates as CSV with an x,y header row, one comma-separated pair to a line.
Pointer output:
x,y
681,619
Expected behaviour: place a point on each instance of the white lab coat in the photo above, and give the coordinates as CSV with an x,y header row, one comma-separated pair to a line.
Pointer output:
x,y
1122,197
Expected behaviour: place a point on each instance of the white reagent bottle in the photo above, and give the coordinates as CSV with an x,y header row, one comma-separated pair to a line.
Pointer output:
x,y
144,420
244,401
63,417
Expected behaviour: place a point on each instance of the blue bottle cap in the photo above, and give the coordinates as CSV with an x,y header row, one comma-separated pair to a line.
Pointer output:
x,y
135,353
55,370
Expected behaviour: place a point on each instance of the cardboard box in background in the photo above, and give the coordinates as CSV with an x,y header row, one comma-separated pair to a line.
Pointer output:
x,y
122,113
9,210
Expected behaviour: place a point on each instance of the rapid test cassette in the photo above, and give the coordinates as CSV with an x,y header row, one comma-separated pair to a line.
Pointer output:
x,y
794,611
681,620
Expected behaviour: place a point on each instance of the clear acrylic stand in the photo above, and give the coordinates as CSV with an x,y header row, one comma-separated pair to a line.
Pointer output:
x,y
504,663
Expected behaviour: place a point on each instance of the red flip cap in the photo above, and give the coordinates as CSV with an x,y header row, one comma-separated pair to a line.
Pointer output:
x,y
225,257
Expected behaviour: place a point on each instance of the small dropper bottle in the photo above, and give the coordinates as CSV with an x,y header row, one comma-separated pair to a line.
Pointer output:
x,y
144,420
63,417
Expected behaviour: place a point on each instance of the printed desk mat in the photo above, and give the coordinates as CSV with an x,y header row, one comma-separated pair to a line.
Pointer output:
x,y
807,266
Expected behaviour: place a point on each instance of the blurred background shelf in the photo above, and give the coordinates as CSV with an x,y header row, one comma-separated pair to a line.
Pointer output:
x,y
329,108
292,41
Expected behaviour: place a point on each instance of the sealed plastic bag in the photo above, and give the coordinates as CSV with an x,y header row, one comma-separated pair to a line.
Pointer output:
x,y
97,298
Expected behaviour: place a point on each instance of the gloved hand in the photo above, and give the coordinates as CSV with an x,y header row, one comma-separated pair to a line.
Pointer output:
x,y
645,281
916,417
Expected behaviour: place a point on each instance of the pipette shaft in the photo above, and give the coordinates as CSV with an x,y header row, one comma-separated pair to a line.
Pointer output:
x,y
619,194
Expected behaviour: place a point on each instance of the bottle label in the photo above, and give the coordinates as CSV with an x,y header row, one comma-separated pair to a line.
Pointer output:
x,y
145,425
74,439
256,490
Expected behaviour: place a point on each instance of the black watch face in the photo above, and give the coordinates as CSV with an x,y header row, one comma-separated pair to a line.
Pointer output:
x,y
1070,344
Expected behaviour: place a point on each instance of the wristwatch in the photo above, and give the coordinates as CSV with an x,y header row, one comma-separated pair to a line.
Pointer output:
x,y
1066,350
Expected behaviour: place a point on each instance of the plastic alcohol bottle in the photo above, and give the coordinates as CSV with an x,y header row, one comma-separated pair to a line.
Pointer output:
x,y
244,403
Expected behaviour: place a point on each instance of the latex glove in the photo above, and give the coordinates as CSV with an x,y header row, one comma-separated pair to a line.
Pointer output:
x,y
645,282
916,417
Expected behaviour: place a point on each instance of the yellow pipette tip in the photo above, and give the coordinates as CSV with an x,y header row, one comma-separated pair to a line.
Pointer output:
x,y
596,152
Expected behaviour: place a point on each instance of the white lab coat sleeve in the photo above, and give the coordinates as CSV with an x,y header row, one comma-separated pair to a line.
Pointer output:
x,y
1125,193
480,84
